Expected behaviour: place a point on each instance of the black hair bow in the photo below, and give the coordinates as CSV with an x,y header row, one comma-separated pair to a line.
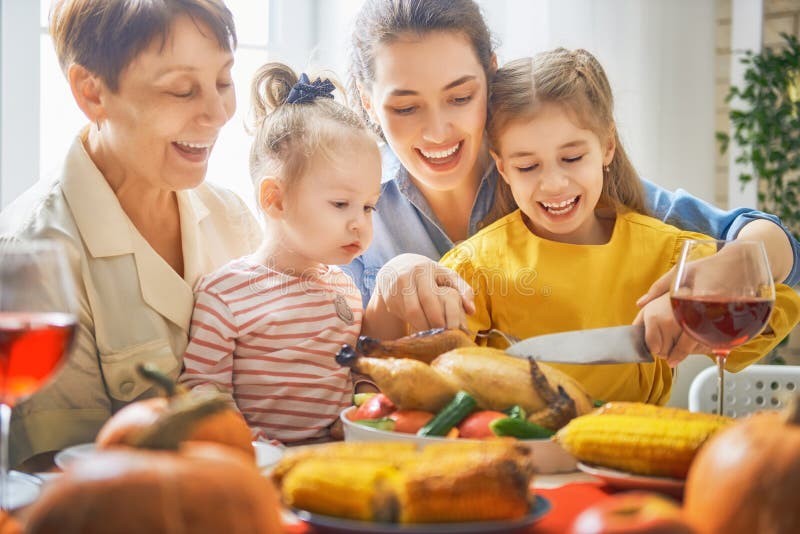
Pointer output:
x,y
307,91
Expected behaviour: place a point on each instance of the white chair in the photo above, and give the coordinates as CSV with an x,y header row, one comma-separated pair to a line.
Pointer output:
x,y
754,388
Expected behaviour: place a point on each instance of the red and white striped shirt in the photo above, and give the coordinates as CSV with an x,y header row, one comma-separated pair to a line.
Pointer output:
x,y
269,340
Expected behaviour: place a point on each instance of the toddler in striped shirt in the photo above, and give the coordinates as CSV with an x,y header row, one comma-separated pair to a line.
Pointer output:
x,y
266,327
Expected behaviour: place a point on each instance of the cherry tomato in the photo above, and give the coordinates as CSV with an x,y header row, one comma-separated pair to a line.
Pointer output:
x,y
476,424
409,421
374,408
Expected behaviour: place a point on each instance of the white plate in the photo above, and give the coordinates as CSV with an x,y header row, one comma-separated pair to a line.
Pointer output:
x,y
548,455
346,526
22,489
266,455
69,455
623,480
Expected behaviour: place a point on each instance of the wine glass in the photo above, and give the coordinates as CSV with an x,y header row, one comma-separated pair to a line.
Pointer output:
x,y
722,296
37,326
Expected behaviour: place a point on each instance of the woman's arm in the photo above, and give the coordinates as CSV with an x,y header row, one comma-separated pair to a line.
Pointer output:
x,y
414,291
782,248
681,209
785,316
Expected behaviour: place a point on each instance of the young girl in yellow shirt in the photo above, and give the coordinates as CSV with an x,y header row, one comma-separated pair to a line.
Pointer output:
x,y
580,249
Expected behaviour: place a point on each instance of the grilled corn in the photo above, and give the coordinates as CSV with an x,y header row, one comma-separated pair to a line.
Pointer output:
x,y
637,444
661,412
443,483
353,489
392,452
474,484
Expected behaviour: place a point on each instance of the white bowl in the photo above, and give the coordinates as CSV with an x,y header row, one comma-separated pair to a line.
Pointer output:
x,y
548,456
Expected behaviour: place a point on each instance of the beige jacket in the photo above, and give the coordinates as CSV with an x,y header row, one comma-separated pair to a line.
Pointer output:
x,y
133,307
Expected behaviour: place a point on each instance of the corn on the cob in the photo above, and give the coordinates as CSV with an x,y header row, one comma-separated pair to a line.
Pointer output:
x,y
479,451
637,444
477,484
354,489
488,446
466,481
392,452
661,412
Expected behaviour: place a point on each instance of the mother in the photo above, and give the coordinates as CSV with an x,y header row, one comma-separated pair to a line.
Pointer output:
x,y
130,206
419,69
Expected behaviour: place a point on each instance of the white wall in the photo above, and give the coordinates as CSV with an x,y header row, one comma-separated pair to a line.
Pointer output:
x,y
747,24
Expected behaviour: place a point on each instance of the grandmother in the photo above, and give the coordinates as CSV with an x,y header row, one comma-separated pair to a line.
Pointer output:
x,y
130,205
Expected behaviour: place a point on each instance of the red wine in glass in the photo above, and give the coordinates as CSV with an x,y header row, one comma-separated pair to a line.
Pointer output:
x,y
722,323
32,347
722,296
37,325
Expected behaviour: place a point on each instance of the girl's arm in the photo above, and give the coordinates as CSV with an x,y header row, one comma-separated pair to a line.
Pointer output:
x,y
681,209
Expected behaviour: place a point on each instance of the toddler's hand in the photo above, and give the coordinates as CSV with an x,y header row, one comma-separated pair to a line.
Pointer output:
x,y
663,335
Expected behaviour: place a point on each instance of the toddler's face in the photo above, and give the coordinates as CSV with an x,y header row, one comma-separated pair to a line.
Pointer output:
x,y
555,171
328,217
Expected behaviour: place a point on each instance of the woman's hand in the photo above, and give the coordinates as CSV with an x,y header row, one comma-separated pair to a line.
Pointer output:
x,y
416,291
663,335
715,272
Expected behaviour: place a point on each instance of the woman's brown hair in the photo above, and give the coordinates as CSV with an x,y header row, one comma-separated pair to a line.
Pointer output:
x,y
287,135
384,21
575,80
104,36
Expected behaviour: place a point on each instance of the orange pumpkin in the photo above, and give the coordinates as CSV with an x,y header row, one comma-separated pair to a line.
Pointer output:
x,y
202,488
185,416
747,477
8,525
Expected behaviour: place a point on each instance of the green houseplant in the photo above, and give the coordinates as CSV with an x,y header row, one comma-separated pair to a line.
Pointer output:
x,y
767,128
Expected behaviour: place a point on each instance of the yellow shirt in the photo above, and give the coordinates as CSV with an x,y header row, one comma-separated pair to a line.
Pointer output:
x,y
526,285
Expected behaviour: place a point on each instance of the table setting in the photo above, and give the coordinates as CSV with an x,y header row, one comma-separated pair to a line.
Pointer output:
x,y
441,447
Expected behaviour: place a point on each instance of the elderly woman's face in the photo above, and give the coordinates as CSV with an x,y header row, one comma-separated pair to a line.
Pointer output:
x,y
172,101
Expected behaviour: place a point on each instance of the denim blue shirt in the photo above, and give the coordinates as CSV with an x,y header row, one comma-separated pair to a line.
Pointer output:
x,y
404,222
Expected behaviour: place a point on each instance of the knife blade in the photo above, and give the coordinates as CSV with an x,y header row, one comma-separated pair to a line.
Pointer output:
x,y
617,344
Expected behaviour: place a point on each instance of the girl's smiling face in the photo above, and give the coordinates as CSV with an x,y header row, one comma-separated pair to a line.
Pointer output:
x,y
554,168
429,97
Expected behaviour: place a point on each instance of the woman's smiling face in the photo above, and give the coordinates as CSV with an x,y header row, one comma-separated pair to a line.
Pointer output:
x,y
172,100
429,97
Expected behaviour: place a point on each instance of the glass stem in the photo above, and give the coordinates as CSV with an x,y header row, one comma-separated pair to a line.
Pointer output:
x,y
5,422
721,358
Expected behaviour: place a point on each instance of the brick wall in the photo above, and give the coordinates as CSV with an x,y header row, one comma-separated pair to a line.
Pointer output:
x,y
780,16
